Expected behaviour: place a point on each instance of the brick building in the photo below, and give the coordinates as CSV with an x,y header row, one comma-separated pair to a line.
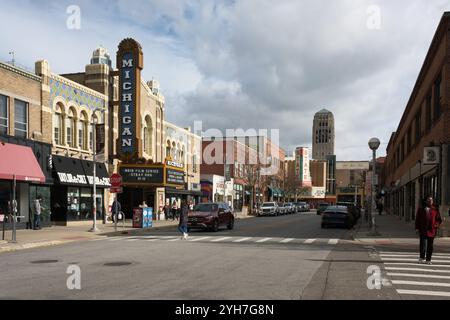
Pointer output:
x,y
408,174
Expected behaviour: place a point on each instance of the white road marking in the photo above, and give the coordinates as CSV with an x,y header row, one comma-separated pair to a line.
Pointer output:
x,y
410,255
410,259
131,240
416,275
419,283
117,239
199,239
310,241
99,239
416,264
385,253
417,269
220,239
263,240
333,241
287,240
425,293
242,240
153,239
176,239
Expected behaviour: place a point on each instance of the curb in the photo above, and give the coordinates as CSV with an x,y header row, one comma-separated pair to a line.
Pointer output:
x,y
33,245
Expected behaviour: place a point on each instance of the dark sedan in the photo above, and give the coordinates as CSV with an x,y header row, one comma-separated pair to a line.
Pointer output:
x,y
211,216
337,216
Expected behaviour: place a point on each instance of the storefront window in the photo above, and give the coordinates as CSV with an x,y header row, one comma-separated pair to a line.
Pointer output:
x,y
5,196
44,193
21,118
73,204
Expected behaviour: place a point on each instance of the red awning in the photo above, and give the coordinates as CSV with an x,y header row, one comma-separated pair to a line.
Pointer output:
x,y
19,161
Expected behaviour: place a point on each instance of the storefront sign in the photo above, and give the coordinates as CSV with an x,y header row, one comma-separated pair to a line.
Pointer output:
x,y
130,64
99,181
431,155
174,164
139,175
302,167
72,179
174,177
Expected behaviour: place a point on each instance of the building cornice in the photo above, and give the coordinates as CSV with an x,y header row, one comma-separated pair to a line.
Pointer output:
x,y
21,72
78,86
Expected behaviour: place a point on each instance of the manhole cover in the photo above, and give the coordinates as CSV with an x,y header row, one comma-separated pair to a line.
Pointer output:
x,y
117,264
44,261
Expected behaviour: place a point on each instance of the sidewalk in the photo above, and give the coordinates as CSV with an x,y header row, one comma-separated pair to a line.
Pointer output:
x,y
56,235
389,230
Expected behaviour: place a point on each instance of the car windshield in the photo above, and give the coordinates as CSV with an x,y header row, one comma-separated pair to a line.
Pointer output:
x,y
268,204
204,207
287,204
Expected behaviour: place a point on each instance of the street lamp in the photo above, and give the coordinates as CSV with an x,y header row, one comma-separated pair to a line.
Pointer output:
x,y
374,144
94,151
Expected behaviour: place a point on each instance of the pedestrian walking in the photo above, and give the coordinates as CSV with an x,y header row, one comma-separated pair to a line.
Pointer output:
x,y
428,220
380,207
182,225
37,213
174,211
166,211
116,209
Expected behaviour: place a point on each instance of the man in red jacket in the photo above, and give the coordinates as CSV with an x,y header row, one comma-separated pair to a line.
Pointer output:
x,y
428,220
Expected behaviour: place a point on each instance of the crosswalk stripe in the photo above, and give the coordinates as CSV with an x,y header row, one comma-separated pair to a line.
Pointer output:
x,y
419,283
172,240
417,269
199,239
412,275
116,239
425,293
287,240
411,253
242,240
416,264
411,259
131,240
220,239
99,239
152,240
333,241
310,240
263,240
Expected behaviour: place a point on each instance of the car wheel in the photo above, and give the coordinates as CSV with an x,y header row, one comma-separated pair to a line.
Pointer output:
x,y
323,226
215,226
230,225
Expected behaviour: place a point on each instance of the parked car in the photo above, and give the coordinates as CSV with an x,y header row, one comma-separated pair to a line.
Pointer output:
x,y
281,208
304,207
211,215
322,207
355,210
337,216
269,209
289,207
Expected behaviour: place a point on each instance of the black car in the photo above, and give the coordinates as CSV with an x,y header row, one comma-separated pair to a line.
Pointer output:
x,y
338,216
322,207
355,210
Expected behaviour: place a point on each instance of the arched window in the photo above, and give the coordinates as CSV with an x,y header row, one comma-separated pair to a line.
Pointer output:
x,y
173,151
178,154
82,131
182,156
58,125
168,149
70,128
148,136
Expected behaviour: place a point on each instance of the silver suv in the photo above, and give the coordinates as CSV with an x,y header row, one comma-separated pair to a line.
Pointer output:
x,y
269,209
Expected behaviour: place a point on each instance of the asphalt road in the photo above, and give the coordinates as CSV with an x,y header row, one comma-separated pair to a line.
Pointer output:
x,y
262,258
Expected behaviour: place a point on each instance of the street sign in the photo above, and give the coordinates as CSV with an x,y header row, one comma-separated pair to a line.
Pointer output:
x,y
116,190
115,180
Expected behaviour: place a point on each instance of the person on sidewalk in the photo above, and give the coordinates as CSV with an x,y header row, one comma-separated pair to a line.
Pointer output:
x,y
116,209
428,220
182,225
37,213
166,212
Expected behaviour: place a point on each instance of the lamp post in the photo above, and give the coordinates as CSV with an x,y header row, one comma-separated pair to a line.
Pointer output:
x,y
374,143
94,151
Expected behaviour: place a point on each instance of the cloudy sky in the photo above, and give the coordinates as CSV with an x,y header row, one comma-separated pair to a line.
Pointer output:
x,y
259,64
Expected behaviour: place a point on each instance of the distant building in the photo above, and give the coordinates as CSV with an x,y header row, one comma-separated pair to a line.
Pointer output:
x,y
323,135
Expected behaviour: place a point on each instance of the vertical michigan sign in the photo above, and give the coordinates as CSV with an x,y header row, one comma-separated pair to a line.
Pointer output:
x,y
130,62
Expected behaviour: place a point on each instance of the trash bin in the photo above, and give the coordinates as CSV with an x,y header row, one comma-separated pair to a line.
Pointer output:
x,y
138,219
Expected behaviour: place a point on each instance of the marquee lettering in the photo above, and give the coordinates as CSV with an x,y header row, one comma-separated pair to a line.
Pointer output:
x,y
127,63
